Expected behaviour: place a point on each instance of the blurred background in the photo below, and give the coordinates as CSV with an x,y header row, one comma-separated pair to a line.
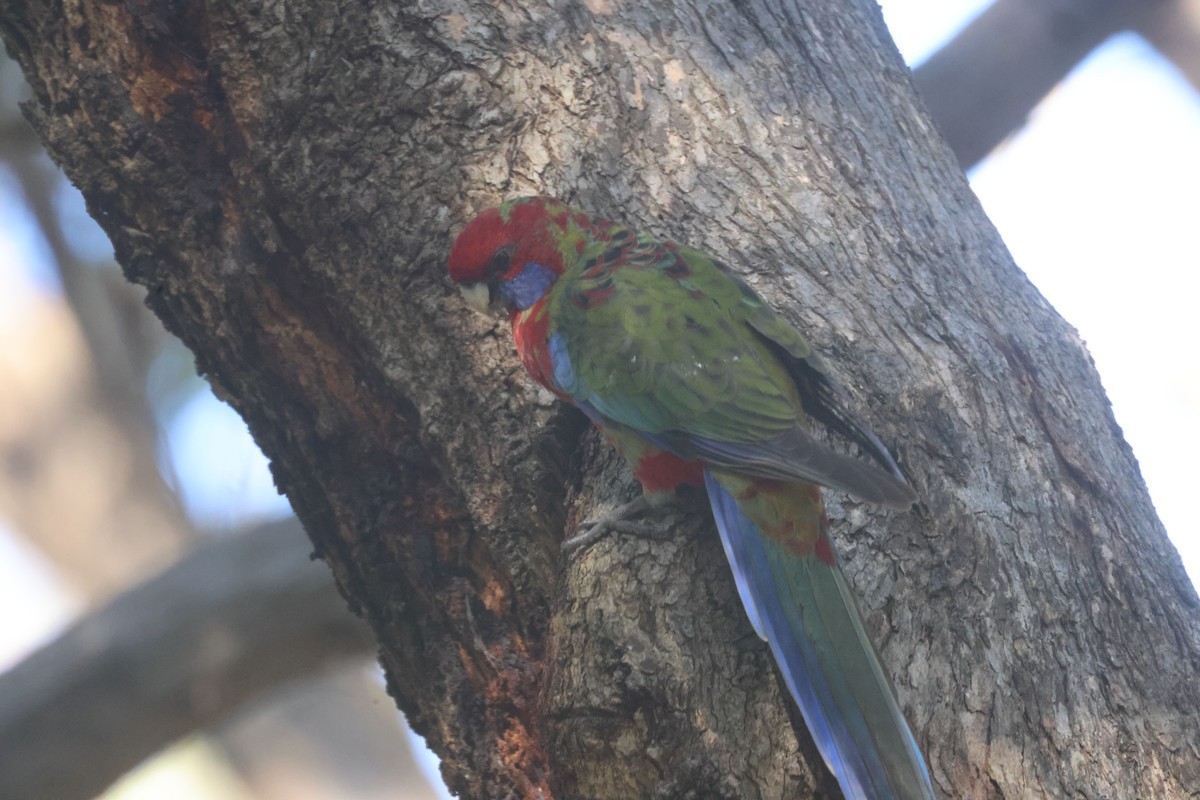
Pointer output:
x,y
117,463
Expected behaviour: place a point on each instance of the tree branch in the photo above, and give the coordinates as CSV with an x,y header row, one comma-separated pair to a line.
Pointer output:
x,y
234,618
1173,28
981,86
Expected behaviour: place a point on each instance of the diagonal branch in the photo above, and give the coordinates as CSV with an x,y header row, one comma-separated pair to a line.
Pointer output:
x,y
981,86
1173,29
177,653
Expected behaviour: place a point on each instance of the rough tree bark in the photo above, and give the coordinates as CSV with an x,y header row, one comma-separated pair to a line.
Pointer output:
x,y
285,180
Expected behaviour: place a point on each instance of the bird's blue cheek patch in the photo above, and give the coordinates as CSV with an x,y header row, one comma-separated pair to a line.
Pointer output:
x,y
529,285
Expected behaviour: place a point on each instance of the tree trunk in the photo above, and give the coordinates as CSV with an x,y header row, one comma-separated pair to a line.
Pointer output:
x,y
286,179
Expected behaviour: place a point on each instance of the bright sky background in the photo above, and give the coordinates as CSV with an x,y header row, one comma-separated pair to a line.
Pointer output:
x,y
1097,199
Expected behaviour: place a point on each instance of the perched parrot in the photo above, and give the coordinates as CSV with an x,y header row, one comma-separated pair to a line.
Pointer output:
x,y
696,381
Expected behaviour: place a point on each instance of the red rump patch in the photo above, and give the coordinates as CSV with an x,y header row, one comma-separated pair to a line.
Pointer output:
x,y
824,550
663,471
762,485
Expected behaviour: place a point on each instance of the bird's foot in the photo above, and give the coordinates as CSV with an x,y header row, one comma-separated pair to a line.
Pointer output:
x,y
618,520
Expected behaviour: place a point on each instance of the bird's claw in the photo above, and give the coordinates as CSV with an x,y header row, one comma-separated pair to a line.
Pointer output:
x,y
618,521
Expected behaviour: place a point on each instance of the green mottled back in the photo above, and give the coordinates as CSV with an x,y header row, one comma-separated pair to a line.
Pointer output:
x,y
667,335
664,339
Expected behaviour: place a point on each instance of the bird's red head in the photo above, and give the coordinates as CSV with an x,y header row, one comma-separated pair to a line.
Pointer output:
x,y
502,243
518,231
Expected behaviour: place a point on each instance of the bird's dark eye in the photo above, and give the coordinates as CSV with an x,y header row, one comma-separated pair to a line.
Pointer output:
x,y
500,260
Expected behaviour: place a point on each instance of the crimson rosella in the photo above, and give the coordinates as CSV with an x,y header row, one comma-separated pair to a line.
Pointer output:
x,y
696,381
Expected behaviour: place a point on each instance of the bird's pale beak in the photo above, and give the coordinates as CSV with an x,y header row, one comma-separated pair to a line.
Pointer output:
x,y
477,295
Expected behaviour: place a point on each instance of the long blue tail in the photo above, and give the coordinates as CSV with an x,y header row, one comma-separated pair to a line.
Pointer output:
x,y
804,609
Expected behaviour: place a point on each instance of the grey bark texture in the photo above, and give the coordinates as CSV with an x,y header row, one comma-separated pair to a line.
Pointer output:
x,y
286,180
